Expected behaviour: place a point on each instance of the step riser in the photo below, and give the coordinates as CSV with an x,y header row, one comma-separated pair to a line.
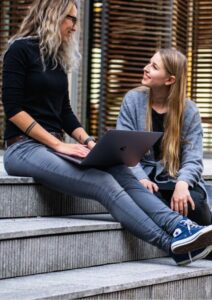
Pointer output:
x,y
194,288
34,200
30,256
22,197
150,279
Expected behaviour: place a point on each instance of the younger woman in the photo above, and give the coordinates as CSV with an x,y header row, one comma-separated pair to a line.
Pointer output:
x,y
172,169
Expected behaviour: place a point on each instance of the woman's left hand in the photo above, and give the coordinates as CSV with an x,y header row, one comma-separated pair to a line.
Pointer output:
x,y
181,198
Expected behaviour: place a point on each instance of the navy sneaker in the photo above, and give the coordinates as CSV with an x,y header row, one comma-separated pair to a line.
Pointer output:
x,y
187,258
188,236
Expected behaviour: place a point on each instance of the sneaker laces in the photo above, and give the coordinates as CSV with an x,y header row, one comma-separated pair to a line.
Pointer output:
x,y
190,256
190,224
186,222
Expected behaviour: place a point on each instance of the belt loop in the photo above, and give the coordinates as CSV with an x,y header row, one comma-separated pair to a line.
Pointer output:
x,y
5,145
13,140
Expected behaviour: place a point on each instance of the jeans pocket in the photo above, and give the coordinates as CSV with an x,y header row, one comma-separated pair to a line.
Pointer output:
x,y
10,156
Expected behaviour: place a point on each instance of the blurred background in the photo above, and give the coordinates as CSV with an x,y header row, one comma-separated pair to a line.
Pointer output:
x,y
117,39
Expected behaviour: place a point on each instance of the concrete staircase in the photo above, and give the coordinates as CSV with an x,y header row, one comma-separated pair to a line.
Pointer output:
x,y
54,246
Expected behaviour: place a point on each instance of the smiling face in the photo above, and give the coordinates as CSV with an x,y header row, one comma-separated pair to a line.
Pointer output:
x,y
155,74
68,25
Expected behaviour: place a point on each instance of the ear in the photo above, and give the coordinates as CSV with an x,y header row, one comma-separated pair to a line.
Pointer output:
x,y
170,80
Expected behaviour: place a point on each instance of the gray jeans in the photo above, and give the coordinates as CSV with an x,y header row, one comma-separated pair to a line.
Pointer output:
x,y
138,210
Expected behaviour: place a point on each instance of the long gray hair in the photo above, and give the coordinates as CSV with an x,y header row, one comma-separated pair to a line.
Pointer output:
x,y
43,21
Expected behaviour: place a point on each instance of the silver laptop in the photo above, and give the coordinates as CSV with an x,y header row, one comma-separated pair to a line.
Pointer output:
x,y
117,147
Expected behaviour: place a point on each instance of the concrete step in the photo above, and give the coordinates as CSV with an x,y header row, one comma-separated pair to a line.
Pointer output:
x,y
40,245
22,197
151,279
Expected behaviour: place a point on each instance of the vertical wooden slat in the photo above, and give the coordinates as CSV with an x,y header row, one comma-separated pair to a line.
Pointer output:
x,y
94,67
202,66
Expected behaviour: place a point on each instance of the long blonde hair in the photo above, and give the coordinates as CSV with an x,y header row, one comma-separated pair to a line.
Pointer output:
x,y
175,63
43,20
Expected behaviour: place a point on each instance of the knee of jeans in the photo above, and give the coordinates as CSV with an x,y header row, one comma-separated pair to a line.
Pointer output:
x,y
201,203
104,181
120,170
201,216
110,189
201,206
124,176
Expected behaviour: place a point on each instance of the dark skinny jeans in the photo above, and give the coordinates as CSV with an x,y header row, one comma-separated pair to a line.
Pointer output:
x,y
116,188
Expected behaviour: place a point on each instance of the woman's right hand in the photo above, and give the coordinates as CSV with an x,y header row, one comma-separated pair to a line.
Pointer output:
x,y
72,149
150,185
23,120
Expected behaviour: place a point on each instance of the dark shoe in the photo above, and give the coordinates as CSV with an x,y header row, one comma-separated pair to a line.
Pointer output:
x,y
188,236
187,258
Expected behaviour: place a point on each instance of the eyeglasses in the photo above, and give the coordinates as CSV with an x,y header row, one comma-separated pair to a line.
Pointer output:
x,y
73,19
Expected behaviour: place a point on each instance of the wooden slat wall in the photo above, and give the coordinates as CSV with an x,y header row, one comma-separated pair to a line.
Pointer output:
x,y
125,36
201,90
180,25
11,14
94,66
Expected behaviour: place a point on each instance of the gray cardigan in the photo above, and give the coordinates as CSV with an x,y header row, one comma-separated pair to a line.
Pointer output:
x,y
133,117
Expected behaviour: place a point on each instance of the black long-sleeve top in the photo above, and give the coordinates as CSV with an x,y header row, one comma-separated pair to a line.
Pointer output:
x,y
158,125
42,94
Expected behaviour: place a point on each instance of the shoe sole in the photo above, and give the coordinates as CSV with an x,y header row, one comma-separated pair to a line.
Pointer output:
x,y
201,255
201,239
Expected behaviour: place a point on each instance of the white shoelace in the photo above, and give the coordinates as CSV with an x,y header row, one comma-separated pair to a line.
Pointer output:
x,y
190,257
189,224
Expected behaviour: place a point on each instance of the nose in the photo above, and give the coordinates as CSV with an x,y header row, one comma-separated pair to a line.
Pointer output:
x,y
74,26
146,68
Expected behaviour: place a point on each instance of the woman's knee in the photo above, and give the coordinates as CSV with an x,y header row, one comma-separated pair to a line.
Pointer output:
x,y
201,214
103,180
124,176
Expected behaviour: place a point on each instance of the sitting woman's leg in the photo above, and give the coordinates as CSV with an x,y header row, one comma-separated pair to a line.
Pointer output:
x,y
201,214
120,193
29,158
159,213
148,202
